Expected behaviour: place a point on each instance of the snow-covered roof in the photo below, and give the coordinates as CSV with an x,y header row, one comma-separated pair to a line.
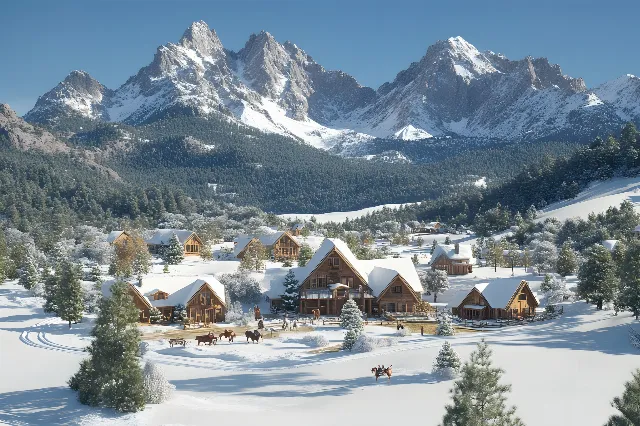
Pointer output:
x,y
297,226
180,288
241,241
500,291
377,273
474,306
113,235
449,251
610,244
162,237
433,224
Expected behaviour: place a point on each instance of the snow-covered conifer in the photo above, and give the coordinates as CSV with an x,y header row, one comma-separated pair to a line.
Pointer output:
x,y
69,295
478,398
627,405
50,290
305,254
290,296
28,274
351,317
567,262
155,316
179,313
350,338
447,364
629,295
445,328
174,253
157,388
554,289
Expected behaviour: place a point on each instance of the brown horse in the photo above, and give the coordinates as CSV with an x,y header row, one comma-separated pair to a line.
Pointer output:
x,y
380,371
207,338
253,335
316,314
228,334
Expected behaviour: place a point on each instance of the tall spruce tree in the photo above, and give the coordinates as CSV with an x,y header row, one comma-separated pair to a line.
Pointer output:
x,y
597,280
51,290
433,246
628,405
291,296
305,254
111,376
351,317
174,253
629,297
567,262
29,274
254,257
478,398
69,295
447,363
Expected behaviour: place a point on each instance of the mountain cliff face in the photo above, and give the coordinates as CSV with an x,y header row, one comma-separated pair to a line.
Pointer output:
x,y
454,90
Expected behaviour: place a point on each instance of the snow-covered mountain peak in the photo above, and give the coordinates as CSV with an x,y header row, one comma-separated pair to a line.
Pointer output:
x,y
202,40
468,62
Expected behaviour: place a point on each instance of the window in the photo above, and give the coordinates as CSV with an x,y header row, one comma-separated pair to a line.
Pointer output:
x,y
347,281
522,296
192,248
322,282
334,261
396,289
314,283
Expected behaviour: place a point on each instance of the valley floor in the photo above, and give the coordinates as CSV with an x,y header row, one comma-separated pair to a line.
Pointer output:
x,y
563,371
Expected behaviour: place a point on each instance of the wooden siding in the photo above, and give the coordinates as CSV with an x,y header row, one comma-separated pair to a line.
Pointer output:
x,y
523,303
453,267
200,307
142,305
123,239
285,248
315,287
398,297
192,246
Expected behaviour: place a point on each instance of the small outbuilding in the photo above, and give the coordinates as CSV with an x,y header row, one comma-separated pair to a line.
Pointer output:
x,y
498,299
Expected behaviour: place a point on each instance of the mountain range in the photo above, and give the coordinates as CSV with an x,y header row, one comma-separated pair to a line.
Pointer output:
x,y
454,91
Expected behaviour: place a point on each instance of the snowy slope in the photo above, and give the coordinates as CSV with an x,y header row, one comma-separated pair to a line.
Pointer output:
x,y
455,89
596,199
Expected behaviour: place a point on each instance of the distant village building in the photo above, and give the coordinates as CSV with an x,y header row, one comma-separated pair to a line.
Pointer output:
x,y
453,258
203,298
498,299
118,237
280,245
334,275
161,238
428,228
296,230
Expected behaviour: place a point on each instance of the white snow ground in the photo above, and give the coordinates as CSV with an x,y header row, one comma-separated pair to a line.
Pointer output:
x,y
596,199
564,371
338,216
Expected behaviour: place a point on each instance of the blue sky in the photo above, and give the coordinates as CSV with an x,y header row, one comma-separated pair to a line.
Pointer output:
x,y
371,40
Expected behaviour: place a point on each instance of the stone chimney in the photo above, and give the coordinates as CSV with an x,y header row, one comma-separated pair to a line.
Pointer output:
x,y
457,246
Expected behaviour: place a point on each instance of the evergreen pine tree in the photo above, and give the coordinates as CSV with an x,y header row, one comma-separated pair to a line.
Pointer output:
x,y
174,253
628,405
478,399
4,259
180,312
305,254
350,338
447,363
96,273
433,246
447,240
51,291
291,295
29,274
254,257
567,260
155,316
597,280
112,376
165,269
351,317
69,295
629,297
445,328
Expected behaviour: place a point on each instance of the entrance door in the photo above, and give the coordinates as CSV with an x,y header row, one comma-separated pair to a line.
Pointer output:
x,y
391,307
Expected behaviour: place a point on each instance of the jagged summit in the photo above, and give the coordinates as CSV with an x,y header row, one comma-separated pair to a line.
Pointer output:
x,y
454,89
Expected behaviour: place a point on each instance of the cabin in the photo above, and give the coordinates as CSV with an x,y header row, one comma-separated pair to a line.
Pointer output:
x,y
334,275
296,230
499,299
428,228
202,297
118,237
280,245
456,259
191,243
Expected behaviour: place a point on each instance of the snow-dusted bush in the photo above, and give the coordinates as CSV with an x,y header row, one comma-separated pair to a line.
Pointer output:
x,y
315,340
447,364
365,343
91,296
157,388
403,332
155,316
554,289
242,287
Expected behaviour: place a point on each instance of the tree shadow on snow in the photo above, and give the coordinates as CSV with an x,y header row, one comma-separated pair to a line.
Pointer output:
x,y
302,384
47,406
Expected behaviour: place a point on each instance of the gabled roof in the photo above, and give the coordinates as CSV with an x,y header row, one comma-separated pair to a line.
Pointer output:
x,y
180,289
449,251
242,241
162,237
113,235
325,248
498,293
297,226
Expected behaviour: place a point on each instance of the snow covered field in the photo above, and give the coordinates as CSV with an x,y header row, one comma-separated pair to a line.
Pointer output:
x,y
564,371
596,199
339,216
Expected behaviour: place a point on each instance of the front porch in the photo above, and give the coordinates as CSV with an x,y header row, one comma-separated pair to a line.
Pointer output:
x,y
330,301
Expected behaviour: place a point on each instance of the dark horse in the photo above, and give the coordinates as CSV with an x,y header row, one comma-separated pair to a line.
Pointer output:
x,y
229,334
207,338
253,335
381,371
